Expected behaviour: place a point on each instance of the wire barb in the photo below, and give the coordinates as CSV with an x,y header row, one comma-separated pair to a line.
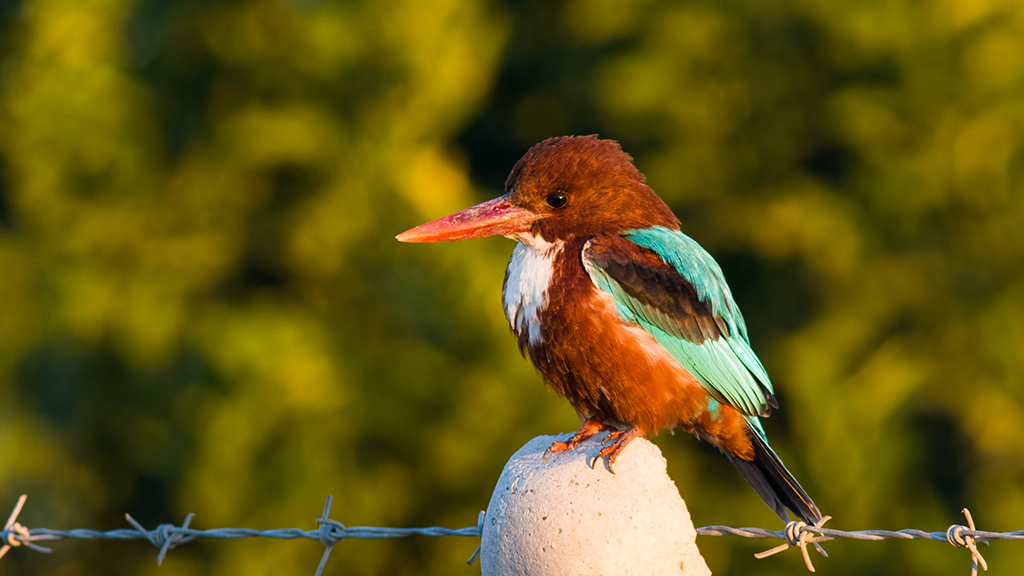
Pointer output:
x,y
957,536
480,532
799,534
165,536
14,534
13,529
331,532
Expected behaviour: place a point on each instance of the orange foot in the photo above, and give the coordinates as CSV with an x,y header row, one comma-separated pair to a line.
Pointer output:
x,y
612,444
589,428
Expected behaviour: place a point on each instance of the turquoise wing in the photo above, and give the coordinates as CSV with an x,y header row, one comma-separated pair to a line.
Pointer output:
x,y
666,283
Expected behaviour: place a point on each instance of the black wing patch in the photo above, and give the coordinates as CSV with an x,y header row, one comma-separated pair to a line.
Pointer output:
x,y
667,299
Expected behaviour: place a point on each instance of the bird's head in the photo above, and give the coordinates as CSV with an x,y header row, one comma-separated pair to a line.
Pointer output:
x,y
563,188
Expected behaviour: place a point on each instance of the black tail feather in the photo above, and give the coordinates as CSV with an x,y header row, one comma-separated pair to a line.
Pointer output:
x,y
774,484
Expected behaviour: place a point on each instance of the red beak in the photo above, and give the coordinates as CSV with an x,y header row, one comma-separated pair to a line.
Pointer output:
x,y
492,218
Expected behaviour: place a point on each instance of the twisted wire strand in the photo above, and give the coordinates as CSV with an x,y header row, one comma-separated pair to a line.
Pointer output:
x,y
166,536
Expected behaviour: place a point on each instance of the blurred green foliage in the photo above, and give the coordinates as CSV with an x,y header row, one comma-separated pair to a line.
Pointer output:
x,y
203,307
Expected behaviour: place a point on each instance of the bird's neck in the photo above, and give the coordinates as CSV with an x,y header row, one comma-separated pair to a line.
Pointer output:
x,y
528,280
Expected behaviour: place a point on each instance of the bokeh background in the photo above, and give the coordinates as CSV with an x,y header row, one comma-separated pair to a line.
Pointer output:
x,y
203,307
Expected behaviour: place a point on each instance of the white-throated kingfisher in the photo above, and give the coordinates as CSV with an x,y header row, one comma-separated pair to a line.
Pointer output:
x,y
624,315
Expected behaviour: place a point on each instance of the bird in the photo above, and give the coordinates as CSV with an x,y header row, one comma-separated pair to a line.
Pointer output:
x,y
623,314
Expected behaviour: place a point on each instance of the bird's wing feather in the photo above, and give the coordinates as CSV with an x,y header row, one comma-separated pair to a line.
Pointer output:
x,y
666,283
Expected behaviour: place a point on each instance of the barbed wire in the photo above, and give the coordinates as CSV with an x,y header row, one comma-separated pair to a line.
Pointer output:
x,y
166,536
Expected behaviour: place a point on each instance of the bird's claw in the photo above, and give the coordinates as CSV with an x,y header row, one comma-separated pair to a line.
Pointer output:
x,y
558,446
611,445
589,428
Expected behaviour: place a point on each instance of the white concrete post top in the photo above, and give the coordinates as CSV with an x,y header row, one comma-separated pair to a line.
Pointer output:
x,y
564,518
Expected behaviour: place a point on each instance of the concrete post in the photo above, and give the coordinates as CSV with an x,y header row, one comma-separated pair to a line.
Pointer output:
x,y
564,518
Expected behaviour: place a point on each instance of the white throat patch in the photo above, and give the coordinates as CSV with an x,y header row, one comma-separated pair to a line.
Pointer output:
x,y
529,275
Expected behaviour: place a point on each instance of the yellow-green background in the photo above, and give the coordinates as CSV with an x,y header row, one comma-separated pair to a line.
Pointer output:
x,y
203,309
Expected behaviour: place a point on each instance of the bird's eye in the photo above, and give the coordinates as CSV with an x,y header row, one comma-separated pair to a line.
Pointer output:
x,y
557,200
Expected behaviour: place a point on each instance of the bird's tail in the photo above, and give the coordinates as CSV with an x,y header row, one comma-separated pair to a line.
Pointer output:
x,y
773,483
